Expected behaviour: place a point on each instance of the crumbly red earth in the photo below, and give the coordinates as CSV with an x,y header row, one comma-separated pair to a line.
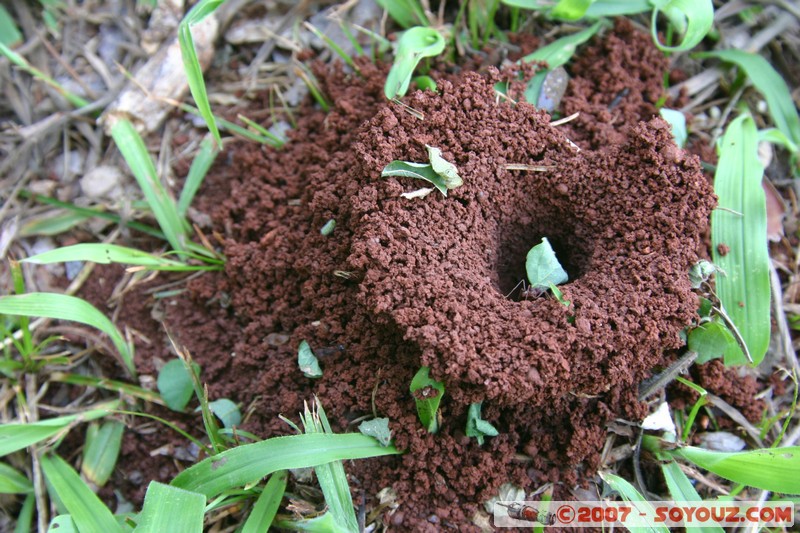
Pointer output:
x,y
403,283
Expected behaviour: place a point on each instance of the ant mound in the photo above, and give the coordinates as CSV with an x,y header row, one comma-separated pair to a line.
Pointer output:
x,y
625,223
435,281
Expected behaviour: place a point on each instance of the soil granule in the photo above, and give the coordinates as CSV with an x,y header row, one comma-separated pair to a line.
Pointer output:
x,y
435,281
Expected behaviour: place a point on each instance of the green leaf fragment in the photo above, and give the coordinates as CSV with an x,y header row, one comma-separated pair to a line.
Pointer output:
x,y
444,168
677,121
427,394
307,361
476,426
227,411
328,228
700,272
415,44
711,340
559,296
378,428
421,171
543,267
570,9
175,384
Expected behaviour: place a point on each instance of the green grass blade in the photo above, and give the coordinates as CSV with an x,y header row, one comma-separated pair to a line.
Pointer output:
x,y
197,173
331,476
164,208
250,462
776,470
88,512
9,33
406,13
15,437
615,8
120,387
89,212
54,223
25,515
770,84
682,490
12,482
740,223
267,504
168,508
64,307
22,63
333,46
628,492
194,72
693,18
102,451
105,254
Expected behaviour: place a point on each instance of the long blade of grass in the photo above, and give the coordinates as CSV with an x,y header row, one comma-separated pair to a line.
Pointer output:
x,y
776,470
64,307
119,387
168,508
267,504
15,437
86,509
194,72
101,451
692,18
331,476
628,492
770,84
250,462
90,212
53,223
333,46
164,208
9,33
22,63
739,228
12,482
682,490
197,173
105,254
25,515
62,523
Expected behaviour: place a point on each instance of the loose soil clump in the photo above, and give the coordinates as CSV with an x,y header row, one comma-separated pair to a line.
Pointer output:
x,y
434,281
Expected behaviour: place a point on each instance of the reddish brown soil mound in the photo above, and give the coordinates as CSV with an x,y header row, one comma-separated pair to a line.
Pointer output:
x,y
403,283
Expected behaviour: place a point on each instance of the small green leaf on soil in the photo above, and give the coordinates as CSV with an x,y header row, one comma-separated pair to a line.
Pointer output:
x,y
307,361
328,228
543,267
227,411
425,83
378,428
570,9
444,168
478,427
427,394
711,340
677,120
420,171
413,45
692,20
175,384
700,272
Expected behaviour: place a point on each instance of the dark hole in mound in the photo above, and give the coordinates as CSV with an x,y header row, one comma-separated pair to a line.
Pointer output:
x,y
515,241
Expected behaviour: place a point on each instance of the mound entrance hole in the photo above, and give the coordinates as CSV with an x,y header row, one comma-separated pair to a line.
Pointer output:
x,y
515,240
